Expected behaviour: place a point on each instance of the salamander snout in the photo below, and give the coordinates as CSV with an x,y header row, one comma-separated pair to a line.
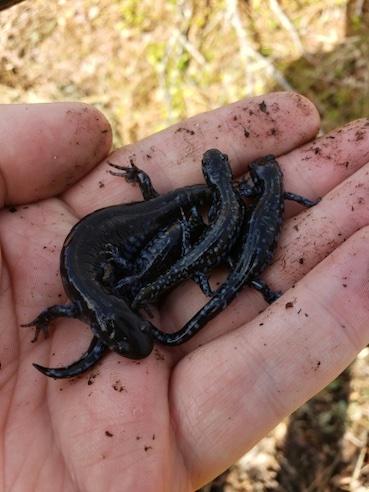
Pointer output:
x,y
140,342
129,335
215,167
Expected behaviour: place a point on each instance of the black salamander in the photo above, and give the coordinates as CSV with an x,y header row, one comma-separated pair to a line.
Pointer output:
x,y
225,219
254,249
128,227
163,248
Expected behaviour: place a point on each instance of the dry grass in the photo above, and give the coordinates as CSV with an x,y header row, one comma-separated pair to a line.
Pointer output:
x,y
148,67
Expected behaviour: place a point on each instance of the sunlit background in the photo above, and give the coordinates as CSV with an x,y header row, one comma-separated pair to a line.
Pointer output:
x,y
149,64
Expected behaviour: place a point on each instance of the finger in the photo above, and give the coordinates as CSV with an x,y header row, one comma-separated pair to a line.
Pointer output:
x,y
317,167
120,421
47,147
307,238
228,394
273,123
9,350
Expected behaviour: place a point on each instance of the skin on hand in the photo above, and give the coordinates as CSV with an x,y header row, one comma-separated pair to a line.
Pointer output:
x,y
174,420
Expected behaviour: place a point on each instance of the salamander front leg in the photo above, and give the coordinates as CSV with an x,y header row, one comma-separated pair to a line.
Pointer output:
x,y
247,189
212,212
188,227
191,226
135,175
47,315
112,255
93,354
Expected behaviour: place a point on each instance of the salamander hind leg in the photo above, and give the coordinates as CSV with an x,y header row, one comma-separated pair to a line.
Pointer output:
x,y
135,175
93,354
203,282
127,286
49,314
306,202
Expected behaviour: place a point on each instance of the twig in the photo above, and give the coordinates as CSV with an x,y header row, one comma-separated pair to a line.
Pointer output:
x,y
192,50
248,53
359,464
287,25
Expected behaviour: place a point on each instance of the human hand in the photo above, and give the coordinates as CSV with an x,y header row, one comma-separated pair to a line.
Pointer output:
x,y
176,419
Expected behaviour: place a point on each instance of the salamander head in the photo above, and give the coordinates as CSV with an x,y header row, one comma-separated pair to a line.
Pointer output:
x,y
124,331
215,167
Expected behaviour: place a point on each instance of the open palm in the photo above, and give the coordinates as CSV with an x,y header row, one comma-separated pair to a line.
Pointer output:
x,y
174,420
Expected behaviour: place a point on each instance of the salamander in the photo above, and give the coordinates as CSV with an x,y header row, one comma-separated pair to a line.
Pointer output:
x,y
128,227
162,248
254,249
225,218
124,331
165,246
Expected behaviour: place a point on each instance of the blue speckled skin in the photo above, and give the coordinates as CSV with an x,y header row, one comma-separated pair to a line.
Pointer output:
x,y
216,241
254,249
